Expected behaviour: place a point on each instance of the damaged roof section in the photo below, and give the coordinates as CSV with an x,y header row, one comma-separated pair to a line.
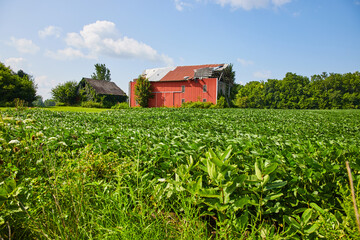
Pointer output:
x,y
104,87
188,72
182,73
156,74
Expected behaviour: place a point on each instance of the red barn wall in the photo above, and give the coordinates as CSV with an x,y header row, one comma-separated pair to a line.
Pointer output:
x,y
169,93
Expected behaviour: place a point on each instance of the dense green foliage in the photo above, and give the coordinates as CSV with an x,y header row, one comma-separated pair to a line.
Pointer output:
x,y
122,105
143,91
15,86
326,91
101,73
38,102
49,102
91,104
178,173
197,104
221,103
66,93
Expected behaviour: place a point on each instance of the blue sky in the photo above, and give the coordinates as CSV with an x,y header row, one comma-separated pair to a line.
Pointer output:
x,y
59,41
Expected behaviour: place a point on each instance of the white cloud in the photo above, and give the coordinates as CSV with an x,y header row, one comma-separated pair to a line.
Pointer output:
x,y
262,75
24,45
44,82
50,31
251,4
245,4
16,63
67,54
44,85
180,5
244,62
278,3
102,38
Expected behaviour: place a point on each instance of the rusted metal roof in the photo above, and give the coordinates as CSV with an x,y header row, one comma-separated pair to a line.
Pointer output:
x,y
186,72
105,87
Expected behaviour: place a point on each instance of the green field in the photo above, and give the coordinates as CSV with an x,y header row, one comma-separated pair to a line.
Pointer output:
x,y
178,174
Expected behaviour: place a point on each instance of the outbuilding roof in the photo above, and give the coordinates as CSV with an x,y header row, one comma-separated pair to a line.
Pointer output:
x,y
187,72
104,87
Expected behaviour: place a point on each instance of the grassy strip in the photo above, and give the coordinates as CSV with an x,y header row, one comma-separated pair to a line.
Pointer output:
x,y
76,109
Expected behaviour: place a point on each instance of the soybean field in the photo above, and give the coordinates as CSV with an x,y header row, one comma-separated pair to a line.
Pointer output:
x,y
178,174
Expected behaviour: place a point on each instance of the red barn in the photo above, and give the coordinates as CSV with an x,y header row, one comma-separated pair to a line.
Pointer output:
x,y
171,86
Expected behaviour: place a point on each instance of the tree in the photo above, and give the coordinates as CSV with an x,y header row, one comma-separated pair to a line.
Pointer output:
x,y
251,95
38,102
66,93
143,91
49,102
227,76
101,73
14,86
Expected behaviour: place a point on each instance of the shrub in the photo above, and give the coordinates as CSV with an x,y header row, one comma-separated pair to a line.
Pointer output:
x,y
91,104
221,103
122,105
143,91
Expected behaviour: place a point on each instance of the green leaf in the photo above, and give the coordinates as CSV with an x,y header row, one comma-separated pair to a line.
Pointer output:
x,y
10,185
276,184
226,154
311,228
211,169
273,196
214,158
266,180
252,179
210,193
257,171
317,208
198,184
306,216
270,168
294,223
215,204
2,221
3,193
238,204
240,179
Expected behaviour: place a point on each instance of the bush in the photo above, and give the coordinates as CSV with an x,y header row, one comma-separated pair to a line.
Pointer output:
x,y
221,103
7,104
91,104
122,105
60,104
197,105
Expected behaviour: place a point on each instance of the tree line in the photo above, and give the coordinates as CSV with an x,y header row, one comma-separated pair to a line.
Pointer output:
x,y
323,91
